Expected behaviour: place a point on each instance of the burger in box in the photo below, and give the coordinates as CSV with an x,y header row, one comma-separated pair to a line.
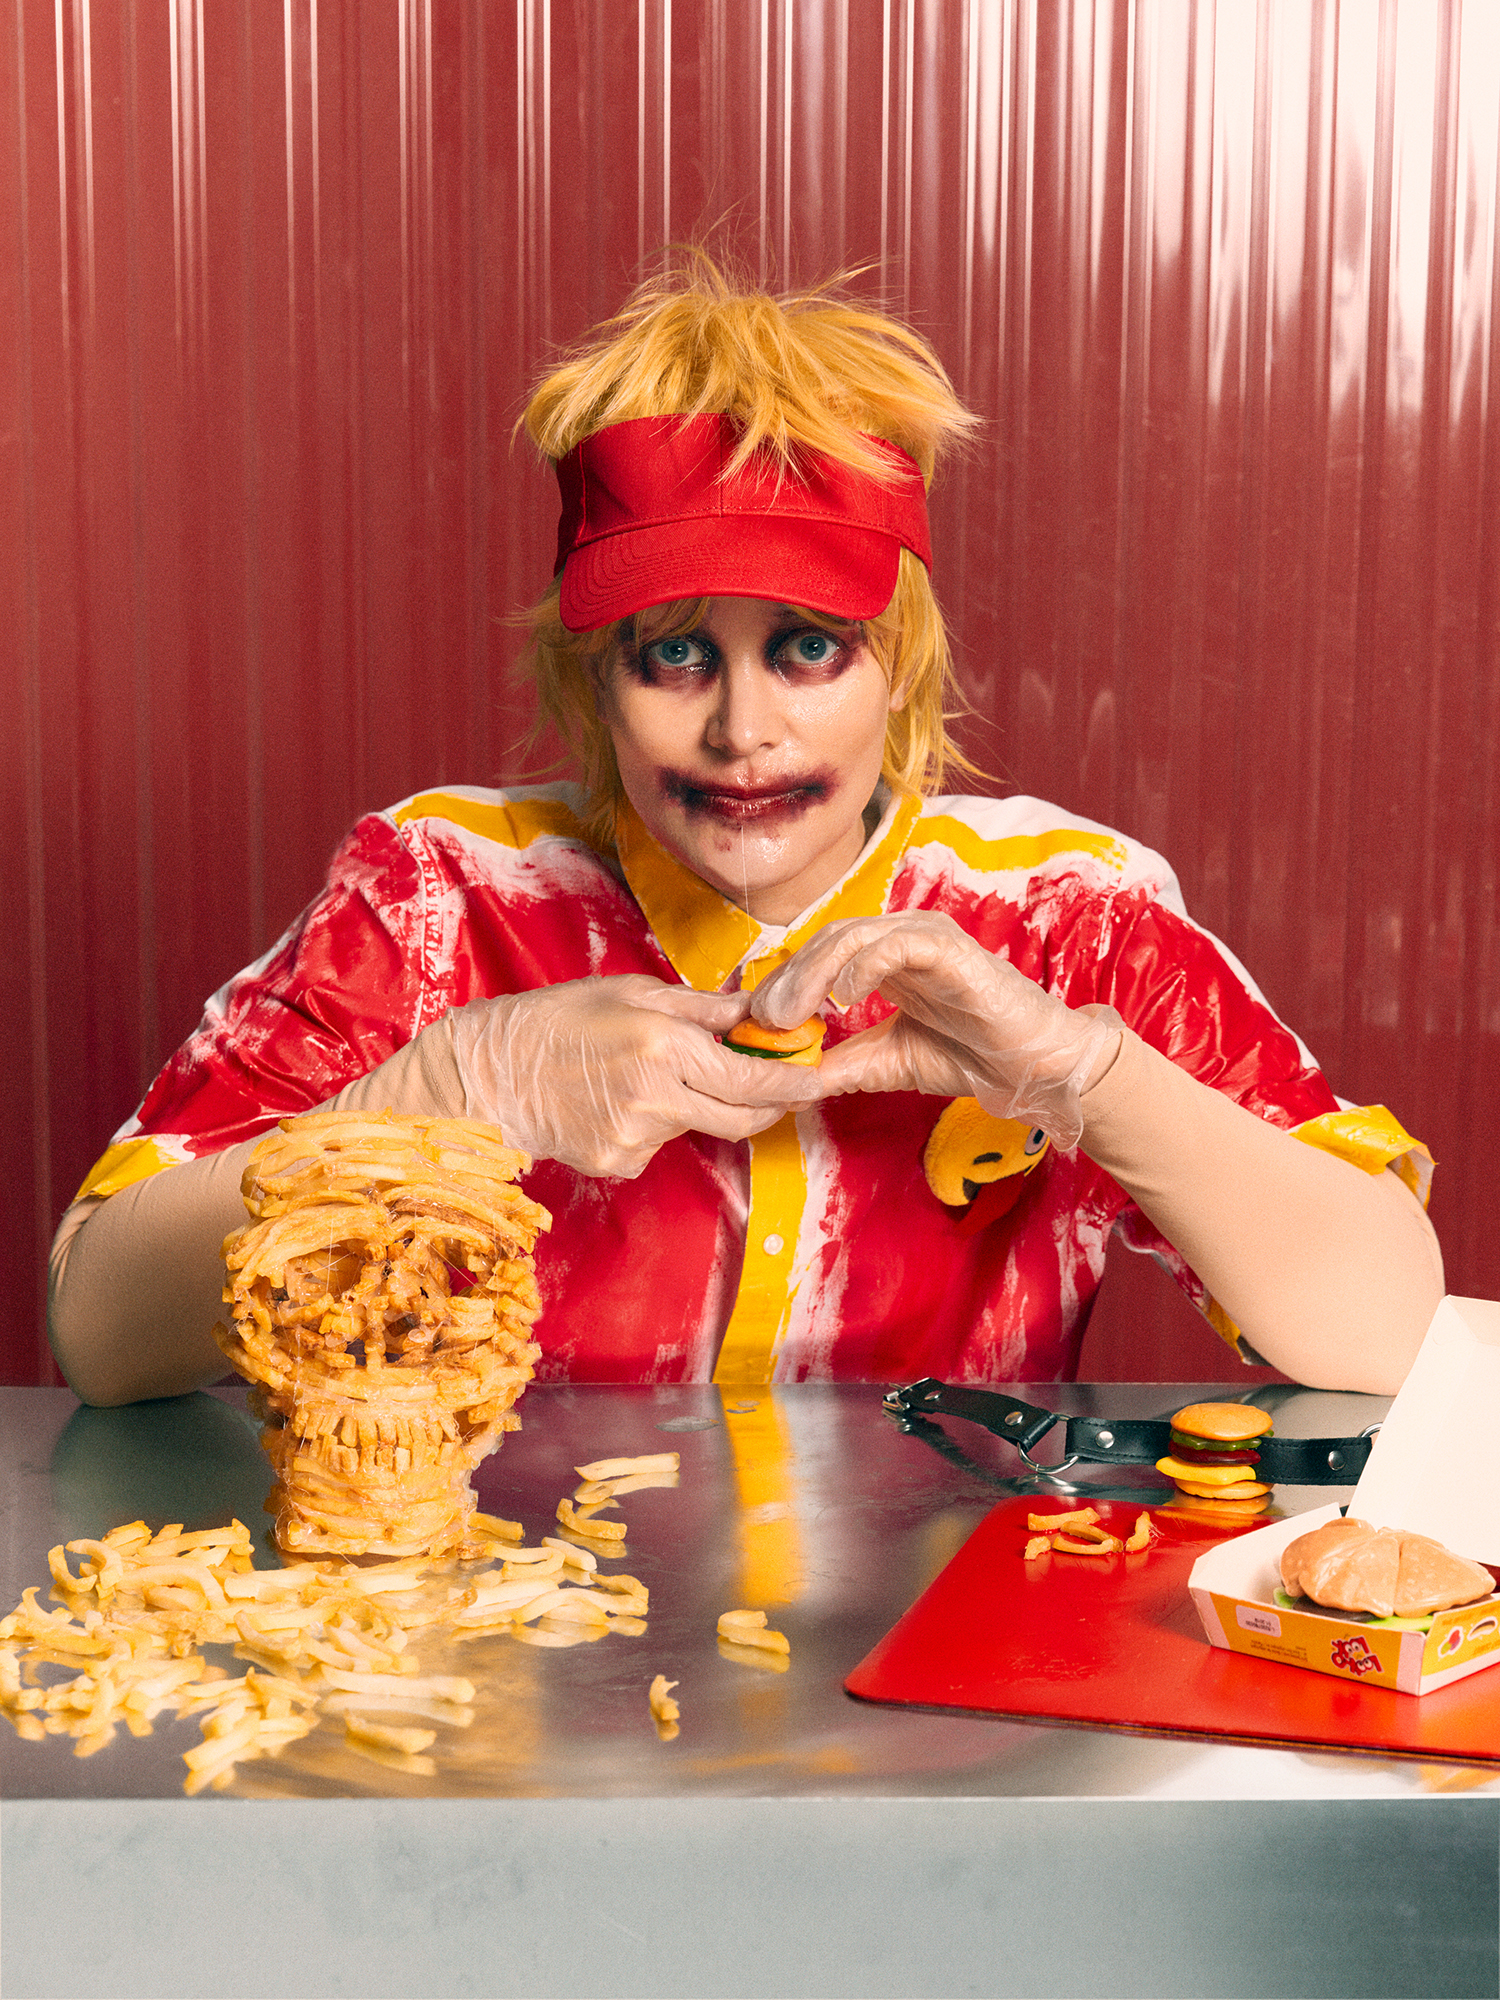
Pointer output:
x,y
1407,1580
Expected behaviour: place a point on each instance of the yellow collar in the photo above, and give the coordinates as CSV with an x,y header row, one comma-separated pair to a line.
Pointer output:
x,y
706,937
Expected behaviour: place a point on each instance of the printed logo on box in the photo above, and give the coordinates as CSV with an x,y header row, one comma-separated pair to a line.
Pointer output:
x,y
1258,1621
1355,1657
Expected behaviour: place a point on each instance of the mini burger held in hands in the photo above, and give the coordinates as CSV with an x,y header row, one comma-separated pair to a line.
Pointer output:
x,y
1213,1457
803,1044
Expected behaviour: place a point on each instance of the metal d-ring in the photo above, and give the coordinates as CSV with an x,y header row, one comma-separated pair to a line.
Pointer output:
x,y
1049,1471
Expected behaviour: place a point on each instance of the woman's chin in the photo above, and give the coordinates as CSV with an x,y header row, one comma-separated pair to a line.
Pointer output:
x,y
750,889
759,872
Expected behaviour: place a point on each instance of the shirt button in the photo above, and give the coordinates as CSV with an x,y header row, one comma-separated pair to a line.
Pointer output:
x,y
773,1246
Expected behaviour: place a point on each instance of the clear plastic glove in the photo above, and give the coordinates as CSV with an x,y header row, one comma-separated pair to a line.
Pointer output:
x,y
599,1073
969,1025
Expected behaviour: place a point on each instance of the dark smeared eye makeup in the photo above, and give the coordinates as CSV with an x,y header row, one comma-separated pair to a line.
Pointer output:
x,y
802,654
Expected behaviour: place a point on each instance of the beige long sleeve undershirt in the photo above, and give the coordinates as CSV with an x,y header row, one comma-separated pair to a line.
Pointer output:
x,y
1332,1274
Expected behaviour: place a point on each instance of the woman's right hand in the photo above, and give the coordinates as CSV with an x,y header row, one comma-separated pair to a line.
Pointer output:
x,y
599,1073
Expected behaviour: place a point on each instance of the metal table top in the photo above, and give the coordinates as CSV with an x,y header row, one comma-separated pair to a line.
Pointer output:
x,y
790,1840
806,1500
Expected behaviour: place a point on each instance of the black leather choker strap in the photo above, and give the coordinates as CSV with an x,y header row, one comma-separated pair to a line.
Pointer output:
x,y
1125,1441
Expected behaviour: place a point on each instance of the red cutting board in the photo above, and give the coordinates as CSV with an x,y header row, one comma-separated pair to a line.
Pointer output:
x,y
1116,1644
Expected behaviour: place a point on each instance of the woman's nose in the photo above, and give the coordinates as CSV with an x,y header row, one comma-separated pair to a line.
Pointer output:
x,y
746,717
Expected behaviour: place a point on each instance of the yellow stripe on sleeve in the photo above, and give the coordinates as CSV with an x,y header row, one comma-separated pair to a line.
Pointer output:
x,y
1018,851
1369,1136
516,823
131,1160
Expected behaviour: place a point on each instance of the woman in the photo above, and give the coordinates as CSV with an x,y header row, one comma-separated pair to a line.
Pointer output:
x,y
744,645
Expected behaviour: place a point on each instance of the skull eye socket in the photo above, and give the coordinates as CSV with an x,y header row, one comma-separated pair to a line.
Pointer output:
x,y
1036,1138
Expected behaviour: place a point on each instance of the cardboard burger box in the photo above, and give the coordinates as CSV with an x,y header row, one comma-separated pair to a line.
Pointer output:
x,y
1433,1471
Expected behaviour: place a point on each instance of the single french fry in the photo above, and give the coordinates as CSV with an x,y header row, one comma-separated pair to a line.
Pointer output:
x,y
621,1584
660,1697
754,1656
381,1736
130,1535
533,1572
614,1468
603,1492
222,1748
664,1710
1071,1546
436,1687
577,1606
93,1740
262,1585
1140,1535
393,1760
495,1529
573,1556
378,1582
1081,1517
748,1628
742,1617
446,1712
545,1635
66,1646
1039,1545
581,1524
505,1593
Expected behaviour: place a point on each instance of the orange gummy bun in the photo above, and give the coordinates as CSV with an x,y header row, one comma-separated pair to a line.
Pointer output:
x,y
1224,1423
802,1044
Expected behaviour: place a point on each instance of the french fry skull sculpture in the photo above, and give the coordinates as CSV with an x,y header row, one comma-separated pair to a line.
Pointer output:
x,y
383,1296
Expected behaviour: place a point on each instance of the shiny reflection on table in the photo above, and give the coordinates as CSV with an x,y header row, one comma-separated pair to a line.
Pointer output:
x,y
807,1502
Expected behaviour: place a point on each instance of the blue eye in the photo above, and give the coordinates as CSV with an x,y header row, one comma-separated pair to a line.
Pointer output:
x,y
809,649
675,653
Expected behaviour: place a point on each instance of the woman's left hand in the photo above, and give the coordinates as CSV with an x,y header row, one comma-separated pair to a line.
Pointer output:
x,y
969,1024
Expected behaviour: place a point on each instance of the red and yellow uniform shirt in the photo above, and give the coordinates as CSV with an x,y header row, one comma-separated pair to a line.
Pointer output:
x,y
820,1248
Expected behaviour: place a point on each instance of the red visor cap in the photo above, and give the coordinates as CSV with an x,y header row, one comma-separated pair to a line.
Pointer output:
x,y
648,517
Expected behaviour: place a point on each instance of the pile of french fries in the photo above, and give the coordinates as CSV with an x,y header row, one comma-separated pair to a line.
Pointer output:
x,y
1079,1534
383,1295
323,1639
319,1639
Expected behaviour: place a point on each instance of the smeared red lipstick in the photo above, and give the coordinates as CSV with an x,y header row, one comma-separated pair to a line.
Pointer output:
x,y
744,805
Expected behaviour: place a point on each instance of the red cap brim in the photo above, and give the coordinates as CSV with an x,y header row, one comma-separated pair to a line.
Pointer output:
x,y
824,566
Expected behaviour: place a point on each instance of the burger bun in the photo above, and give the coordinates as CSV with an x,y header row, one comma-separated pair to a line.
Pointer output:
x,y
802,1044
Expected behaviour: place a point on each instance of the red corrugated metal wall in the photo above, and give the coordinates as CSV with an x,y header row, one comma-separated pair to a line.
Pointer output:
x,y
1222,279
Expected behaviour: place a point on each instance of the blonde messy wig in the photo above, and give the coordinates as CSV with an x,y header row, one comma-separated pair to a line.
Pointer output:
x,y
804,370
